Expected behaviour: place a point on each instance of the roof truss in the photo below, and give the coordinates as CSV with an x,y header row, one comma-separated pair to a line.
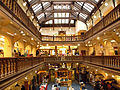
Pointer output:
x,y
78,9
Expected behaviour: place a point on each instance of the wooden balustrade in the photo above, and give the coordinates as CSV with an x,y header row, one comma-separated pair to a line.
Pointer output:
x,y
10,66
16,11
109,61
62,38
106,21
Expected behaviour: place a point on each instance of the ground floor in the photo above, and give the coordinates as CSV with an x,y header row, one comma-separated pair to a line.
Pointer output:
x,y
68,76
75,86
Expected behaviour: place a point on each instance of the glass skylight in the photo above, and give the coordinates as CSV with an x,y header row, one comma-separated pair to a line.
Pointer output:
x,y
62,17
45,3
47,22
88,7
84,16
67,14
75,8
40,16
72,21
56,21
60,21
80,3
63,21
61,14
62,7
50,21
67,21
37,7
55,15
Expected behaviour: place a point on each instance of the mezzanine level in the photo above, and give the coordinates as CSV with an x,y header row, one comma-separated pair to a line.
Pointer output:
x,y
105,24
12,69
15,12
11,7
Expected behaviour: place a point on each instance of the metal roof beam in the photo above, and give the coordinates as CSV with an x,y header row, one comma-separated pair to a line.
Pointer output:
x,y
62,11
51,18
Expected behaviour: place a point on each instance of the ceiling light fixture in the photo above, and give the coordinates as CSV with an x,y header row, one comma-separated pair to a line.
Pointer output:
x,y
25,3
41,29
11,22
94,16
114,30
113,76
106,4
21,32
113,41
24,40
106,74
26,78
102,2
32,17
15,34
88,41
37,24
117,33
32,39
98,38
37,45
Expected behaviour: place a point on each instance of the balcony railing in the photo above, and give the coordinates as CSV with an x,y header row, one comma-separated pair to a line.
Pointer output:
x,y
113,16
12,67
46,38
15,10
107,61
9,66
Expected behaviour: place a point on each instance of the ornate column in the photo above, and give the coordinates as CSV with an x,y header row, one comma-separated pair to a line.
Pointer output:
x,y
69,49
55,50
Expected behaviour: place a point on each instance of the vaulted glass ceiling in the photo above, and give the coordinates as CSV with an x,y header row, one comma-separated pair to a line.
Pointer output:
x,y
62,12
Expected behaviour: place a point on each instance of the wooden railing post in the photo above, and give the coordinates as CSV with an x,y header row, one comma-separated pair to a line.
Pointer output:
x,y
53,37
102,60
16,64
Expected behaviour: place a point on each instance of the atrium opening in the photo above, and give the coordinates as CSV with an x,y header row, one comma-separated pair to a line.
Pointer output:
x,y
59,44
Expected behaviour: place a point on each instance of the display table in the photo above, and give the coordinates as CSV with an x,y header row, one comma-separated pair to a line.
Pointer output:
x,y
64,82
